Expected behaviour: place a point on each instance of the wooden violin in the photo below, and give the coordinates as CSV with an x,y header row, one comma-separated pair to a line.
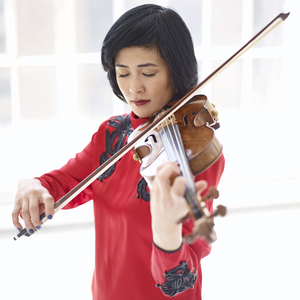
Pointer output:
x,y
188,138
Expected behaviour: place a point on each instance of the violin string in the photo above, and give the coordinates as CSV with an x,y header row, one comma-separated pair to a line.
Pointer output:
x,y
173,145
190,191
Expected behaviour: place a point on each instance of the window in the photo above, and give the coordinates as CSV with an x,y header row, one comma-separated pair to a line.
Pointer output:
x,y
35,103
2,32
5,99
35,21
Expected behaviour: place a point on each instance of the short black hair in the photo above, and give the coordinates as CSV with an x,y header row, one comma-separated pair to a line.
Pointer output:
x,y
153,26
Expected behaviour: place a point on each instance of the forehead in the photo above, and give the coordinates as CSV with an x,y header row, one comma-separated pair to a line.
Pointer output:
x,y
134,56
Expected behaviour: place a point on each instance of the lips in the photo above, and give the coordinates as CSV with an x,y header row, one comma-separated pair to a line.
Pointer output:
x,y
139,102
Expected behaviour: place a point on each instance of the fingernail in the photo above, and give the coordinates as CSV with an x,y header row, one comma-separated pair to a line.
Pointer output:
x,y
31,231
19,229
38,227
49,217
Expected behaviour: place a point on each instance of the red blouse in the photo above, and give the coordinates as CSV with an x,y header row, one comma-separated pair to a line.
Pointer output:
x,y
127,263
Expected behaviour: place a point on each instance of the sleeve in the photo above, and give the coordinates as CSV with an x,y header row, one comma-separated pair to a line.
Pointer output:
x,y
59,182
183,265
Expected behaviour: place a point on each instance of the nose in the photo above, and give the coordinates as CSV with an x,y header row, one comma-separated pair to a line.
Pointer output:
x,y
136,86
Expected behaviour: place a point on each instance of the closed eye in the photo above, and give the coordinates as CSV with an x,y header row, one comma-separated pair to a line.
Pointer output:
x,y
122,76
149,75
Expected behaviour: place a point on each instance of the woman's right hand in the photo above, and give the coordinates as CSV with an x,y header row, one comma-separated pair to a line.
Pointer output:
x,y
32,199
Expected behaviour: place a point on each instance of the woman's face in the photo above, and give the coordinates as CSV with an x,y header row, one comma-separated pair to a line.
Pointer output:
x,y
144,79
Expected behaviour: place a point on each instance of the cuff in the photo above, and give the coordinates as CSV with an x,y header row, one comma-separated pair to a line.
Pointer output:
x,y
167,251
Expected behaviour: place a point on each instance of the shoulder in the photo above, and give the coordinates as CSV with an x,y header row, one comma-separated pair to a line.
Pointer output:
x,y
116,122
115,129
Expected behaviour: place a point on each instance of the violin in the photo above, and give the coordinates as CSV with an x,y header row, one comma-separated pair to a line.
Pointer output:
x,y
188,138
166,122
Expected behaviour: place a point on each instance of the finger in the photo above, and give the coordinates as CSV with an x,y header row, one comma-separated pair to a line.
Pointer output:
x,y
34,209
26,217
15,217
168,170
163,174
201,186
178,187
49,205
168,164
177,194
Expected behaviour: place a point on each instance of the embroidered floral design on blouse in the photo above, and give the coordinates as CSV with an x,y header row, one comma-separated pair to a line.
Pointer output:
x,y
178,280
142,191
115,141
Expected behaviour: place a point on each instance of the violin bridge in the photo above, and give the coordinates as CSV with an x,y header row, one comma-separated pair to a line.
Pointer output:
x,y
169,121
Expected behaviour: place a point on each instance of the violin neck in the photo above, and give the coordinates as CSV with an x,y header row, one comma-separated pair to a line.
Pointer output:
x,y
173,146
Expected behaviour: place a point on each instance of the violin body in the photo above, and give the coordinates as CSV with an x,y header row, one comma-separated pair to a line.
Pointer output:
x,y
195,122
197,133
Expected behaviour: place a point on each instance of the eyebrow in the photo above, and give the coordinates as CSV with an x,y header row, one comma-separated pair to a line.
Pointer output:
x,y
139,66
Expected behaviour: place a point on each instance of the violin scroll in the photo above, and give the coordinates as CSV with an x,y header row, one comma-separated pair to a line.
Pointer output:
x,y
204,226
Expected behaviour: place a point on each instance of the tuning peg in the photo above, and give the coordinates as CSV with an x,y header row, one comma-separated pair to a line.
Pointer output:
x,y
204,227
220,211
213,193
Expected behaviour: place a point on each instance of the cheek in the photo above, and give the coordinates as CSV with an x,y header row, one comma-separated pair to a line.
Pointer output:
x,y
168,88
168,84
163,84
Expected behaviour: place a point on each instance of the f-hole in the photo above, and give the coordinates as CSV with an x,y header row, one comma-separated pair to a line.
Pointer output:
x,y
185,118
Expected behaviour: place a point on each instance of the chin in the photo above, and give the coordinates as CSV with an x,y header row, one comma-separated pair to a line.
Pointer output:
x,y
141,116
144,114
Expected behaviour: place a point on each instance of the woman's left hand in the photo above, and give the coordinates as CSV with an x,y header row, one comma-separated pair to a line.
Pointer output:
x,y
168,205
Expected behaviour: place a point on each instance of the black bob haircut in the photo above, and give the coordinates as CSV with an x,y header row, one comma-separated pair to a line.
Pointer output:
x,y
153,26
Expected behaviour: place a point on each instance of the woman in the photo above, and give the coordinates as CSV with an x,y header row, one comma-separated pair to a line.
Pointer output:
x,y
149,58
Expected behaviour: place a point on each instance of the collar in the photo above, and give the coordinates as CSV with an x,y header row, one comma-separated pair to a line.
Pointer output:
x,y
135,121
